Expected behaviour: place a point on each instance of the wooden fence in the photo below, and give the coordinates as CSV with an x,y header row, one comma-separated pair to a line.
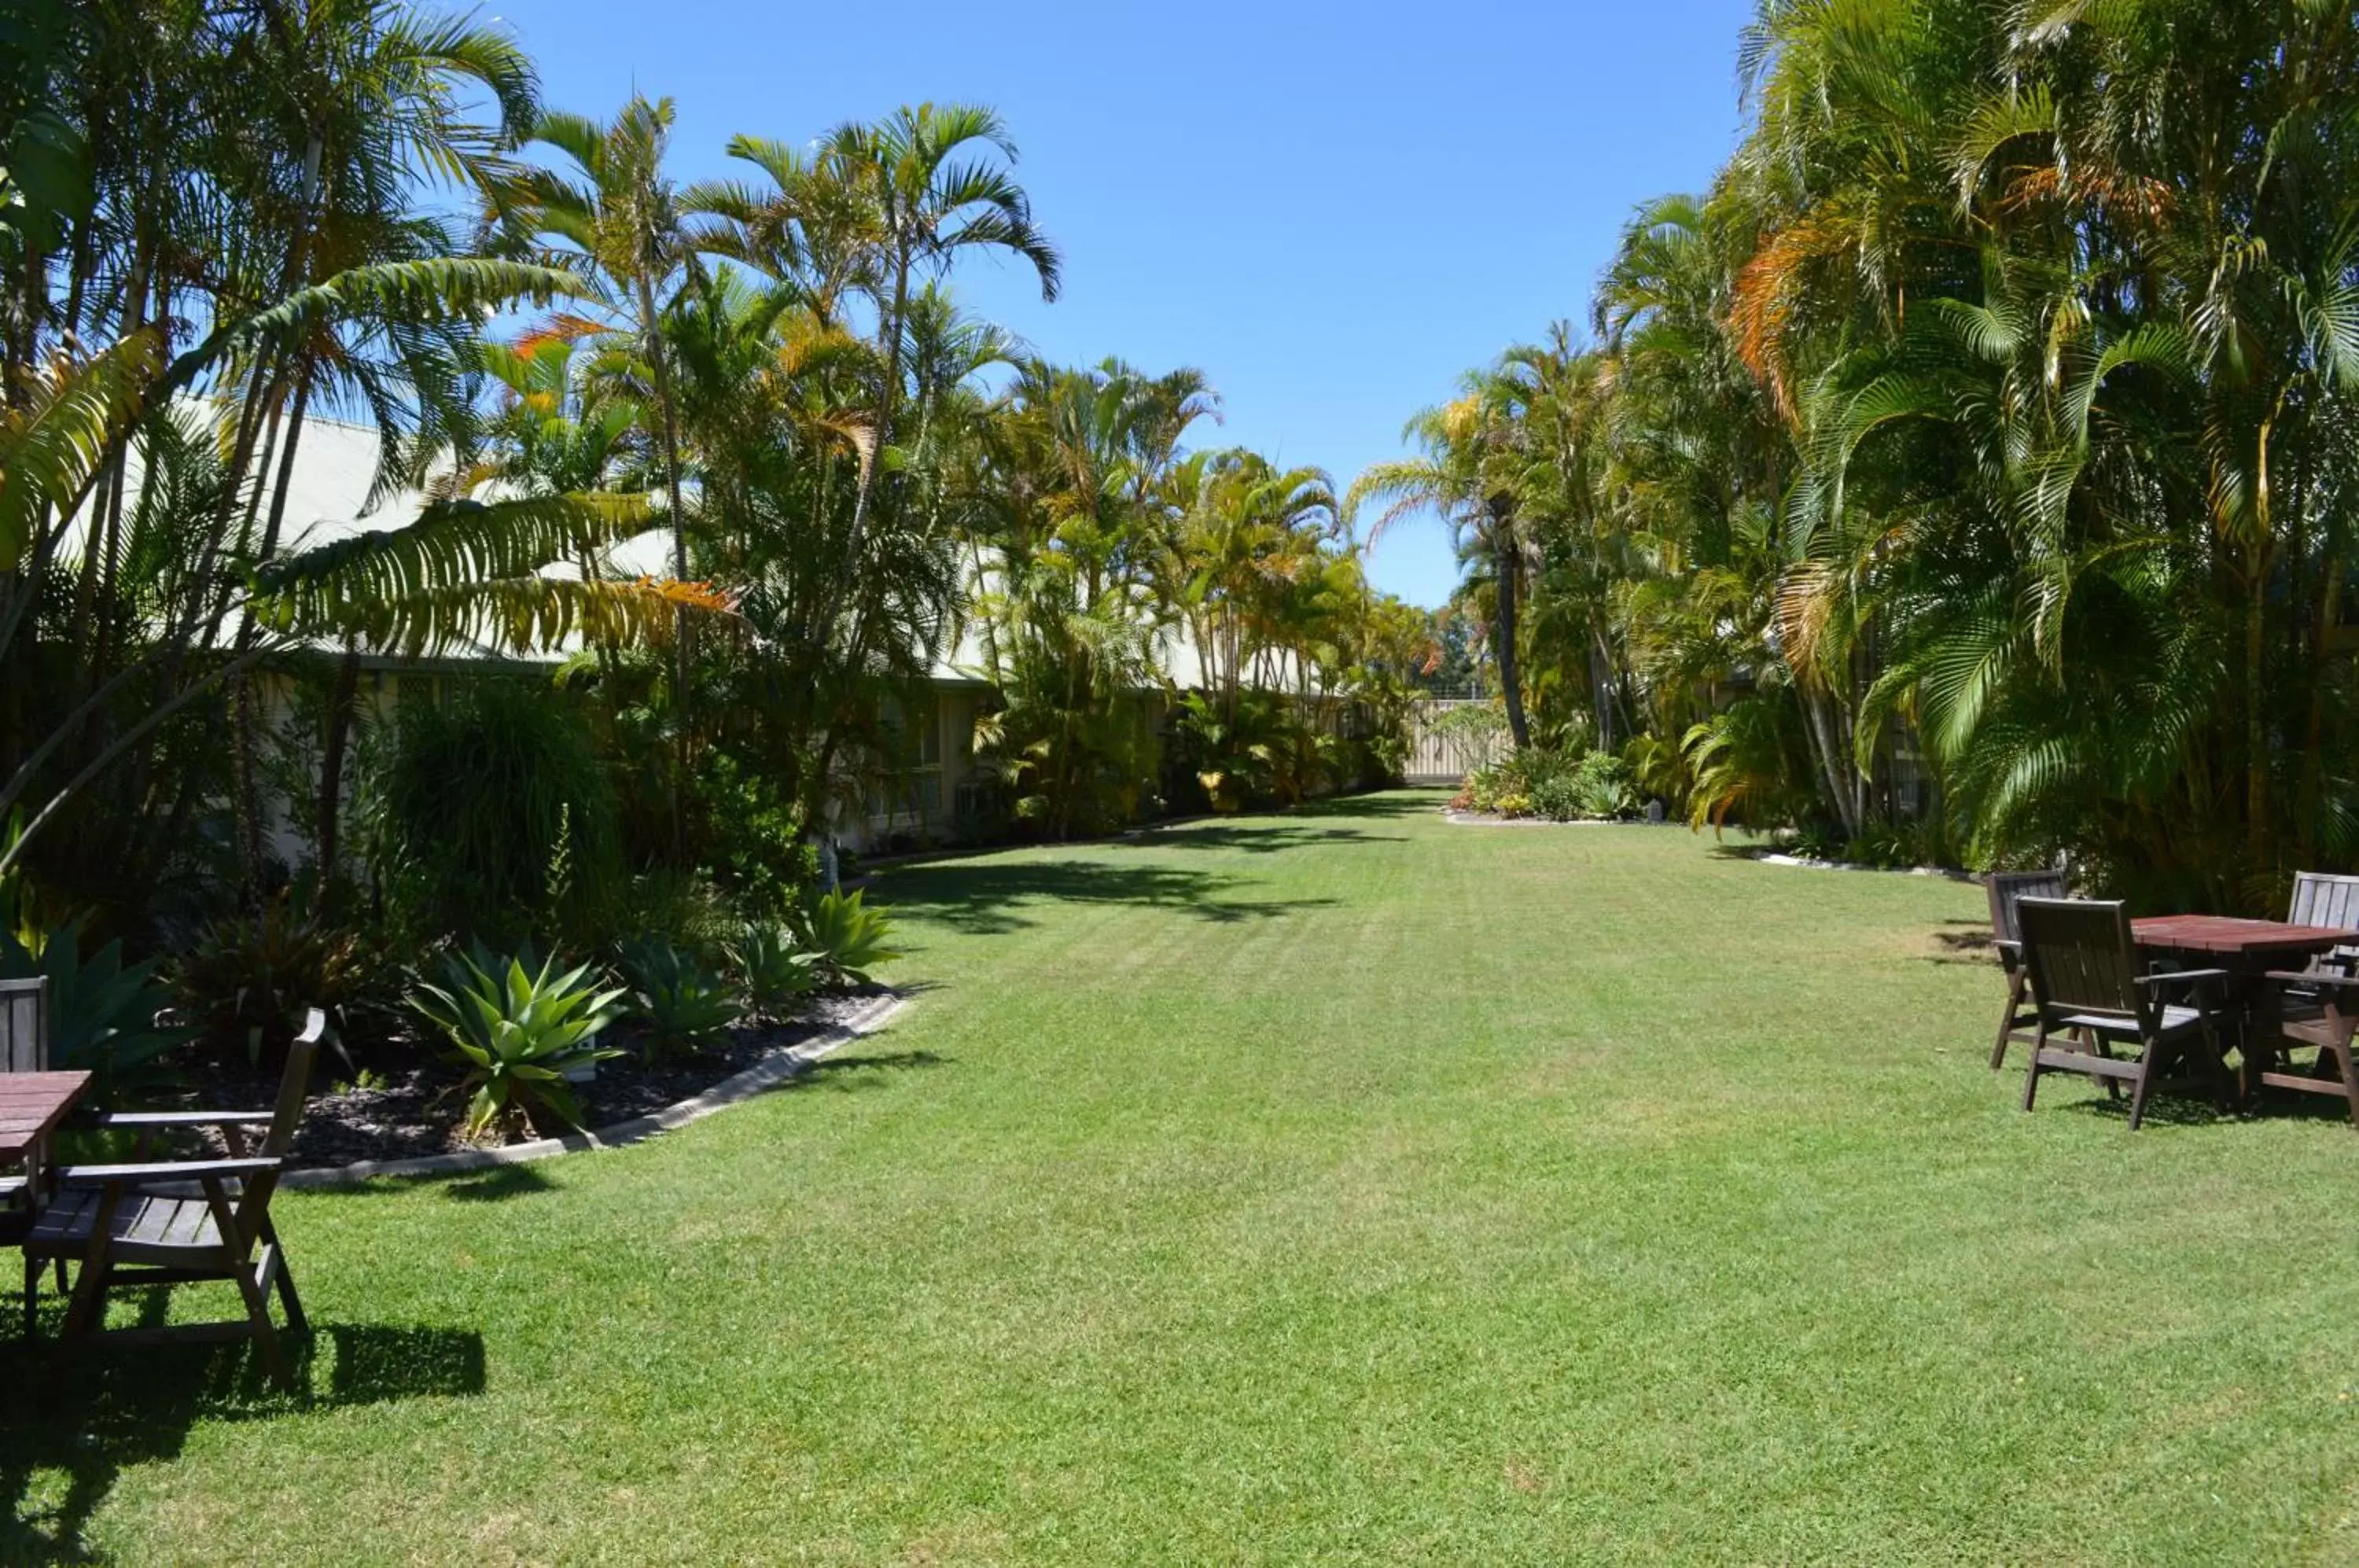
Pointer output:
x,y
1441,752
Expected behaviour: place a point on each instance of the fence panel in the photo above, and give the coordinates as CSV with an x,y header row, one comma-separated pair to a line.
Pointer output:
x,y
1445,754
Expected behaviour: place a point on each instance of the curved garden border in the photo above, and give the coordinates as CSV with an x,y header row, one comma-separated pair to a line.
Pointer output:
x,y
1765,857
1486,820
729,1091
1949,873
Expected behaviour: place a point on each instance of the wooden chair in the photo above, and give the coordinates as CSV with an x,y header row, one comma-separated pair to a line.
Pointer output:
x,y
23,1048
140,1223
2015,1025
2317,1007
24,1025
2081,964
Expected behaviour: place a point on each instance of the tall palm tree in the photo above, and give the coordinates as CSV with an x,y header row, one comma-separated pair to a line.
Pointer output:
x,y
1472,472
930,191
619,220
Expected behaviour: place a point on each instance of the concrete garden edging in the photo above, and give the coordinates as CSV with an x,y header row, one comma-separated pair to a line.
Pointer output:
x,y
1947,873
765,1075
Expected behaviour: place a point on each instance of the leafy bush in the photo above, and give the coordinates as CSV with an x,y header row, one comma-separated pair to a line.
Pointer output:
x,y
1602,786
1558,785
248,979
683,1003
103,1012
683,909
1263,755
775,968
517,1031
492,812
848,937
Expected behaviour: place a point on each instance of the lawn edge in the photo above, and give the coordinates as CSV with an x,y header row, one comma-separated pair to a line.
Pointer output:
x,y
731,1090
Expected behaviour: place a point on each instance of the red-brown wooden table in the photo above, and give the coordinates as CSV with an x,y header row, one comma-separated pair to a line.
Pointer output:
x,y
2247,950
2240,946
31,1106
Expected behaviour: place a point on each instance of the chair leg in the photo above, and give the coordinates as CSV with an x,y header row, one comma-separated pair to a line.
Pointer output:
x,y
2006,1020
2031,1079
2342,1059
85,1310
296,1322
2215,1067
2146,1066
257,1314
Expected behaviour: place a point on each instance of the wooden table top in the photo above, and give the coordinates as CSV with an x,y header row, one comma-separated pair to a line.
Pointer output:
x,y
2229,935
32,1105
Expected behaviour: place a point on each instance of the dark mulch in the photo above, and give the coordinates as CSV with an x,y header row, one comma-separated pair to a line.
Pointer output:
x,y
409,1104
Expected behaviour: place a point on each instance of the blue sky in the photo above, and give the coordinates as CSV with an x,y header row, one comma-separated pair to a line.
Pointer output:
x,y
1332,209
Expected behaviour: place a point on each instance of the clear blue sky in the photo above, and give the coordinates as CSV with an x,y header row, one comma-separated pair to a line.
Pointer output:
x,y
1331,209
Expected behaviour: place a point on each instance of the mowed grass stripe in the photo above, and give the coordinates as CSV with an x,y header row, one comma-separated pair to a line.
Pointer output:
x,y
1336,1187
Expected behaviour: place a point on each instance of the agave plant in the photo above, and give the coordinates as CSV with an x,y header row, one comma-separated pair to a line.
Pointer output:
x,y
776,966
848,937
517,1031
683,1003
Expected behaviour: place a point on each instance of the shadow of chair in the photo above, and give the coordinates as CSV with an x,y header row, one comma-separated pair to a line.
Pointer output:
x,y
59,1460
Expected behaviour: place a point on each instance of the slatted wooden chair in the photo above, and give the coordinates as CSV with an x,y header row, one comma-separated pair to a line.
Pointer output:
x,y
2317,1008
179,1222
24,1025
23,1048
2081,964
2018,1024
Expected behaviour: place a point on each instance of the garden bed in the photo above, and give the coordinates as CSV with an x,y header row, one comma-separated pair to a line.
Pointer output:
x,y
366,1111
1466,819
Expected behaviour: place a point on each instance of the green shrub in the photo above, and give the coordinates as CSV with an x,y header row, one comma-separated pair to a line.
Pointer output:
x,y
1562,786
1602,786
495,812
683,909
775,967
683,1003
518,1031
847,936
102,1013
247,978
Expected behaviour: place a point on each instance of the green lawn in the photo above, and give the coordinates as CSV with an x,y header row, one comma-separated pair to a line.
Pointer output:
x,y
1333,1188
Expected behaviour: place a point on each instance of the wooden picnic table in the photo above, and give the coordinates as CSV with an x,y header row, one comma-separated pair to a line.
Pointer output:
x,y
31,1106
2247,950
2240,946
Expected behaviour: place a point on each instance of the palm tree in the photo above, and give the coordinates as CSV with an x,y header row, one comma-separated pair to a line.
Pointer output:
x,y
1472,472
619,220
926,199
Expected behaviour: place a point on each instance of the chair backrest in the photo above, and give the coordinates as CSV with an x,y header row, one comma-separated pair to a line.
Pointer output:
x,y
24,1025
2007,888
295,1086
2081,957
286,1117
2321,899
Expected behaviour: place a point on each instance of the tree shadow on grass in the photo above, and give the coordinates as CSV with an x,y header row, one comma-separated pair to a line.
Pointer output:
x,y
1418,801
985,897
1972,945
850,1075
61,1450
1253,836
497,1184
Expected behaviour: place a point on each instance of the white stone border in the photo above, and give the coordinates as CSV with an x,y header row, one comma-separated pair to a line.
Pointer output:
x,y
764,1075
1770,857
1493,820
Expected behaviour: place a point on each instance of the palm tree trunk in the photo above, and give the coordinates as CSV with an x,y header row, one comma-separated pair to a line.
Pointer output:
x,y
341,704
653,338
1510,678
